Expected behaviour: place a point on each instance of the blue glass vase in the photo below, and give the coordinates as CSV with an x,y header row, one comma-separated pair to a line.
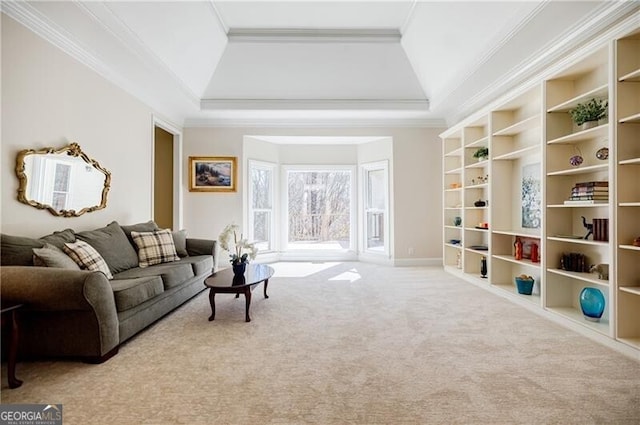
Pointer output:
x,y
592,304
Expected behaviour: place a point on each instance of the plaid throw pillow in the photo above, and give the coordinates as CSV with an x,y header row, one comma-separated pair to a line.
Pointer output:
x,y
87,257
155,247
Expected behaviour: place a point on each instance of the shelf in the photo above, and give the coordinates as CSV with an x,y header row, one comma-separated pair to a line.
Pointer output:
x,y
579,170
585,277
480,142
590,133
605,204
447,226
633,342
523,262
577,241
475,229
632,76
476,251
631,118
520,126
514,233
635,290
629,204
520,153
602,91
456,189
478,186
632,161
576,315
511,288
450,245
479,164
455,152
475,208
629,247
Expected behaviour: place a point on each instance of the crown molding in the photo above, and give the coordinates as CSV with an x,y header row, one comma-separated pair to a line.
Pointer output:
x,y
315,35
314,123
316,104
598,28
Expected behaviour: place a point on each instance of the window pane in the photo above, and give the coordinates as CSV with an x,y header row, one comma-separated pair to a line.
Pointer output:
x,y
61,179
261,229
319,208
59,201
261,181
376,189
375,230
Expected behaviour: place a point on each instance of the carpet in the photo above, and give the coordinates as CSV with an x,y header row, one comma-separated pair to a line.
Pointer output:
x,y
347,343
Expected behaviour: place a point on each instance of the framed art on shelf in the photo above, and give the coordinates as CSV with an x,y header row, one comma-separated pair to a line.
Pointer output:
x,y
212,173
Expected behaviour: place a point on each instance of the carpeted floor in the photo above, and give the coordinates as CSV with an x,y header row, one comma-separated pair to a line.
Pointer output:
x,y
347,343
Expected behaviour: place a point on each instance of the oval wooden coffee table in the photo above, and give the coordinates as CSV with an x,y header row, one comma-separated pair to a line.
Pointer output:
x,y
225,282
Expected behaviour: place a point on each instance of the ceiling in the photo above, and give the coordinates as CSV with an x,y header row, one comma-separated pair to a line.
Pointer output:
x,y
420,63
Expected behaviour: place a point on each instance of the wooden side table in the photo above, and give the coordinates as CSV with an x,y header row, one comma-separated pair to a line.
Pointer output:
x,y
9,315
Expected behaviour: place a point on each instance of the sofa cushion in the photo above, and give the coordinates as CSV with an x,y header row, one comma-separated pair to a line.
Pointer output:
x,y
52,256
172,274
201,264
58,239
155,247
129,293
87,257
149,226
111,242
17,250
180,241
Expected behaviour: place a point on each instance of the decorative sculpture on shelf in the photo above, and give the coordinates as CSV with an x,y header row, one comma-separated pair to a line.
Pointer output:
x,y
518,249
588,226
601,269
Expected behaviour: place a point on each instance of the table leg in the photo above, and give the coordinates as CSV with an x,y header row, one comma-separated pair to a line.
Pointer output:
x,y
266,282
212,301
247,298
13,352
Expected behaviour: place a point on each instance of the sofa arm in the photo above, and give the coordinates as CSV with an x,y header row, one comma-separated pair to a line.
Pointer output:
x,y
201,247
53,295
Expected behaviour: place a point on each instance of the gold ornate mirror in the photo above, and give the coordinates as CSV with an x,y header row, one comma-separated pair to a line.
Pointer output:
x,y
65,181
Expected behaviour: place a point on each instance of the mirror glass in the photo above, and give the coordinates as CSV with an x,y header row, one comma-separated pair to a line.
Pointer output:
x,y
65,181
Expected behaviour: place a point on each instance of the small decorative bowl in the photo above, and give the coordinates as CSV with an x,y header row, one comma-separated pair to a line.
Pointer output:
x,y
576,160
602,154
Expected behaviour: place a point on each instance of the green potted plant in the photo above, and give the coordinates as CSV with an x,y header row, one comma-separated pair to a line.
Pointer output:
x,y
586,115
482,153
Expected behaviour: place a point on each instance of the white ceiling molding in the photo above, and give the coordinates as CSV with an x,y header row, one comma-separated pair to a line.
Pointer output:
x,y
315,123
555,54
409,18
314,35
216,12
314,104
107,19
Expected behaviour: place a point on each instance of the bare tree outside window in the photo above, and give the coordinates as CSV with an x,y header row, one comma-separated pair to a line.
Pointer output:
x,y
319,207
261,206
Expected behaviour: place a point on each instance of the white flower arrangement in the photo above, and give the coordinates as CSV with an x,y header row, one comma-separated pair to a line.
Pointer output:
x,y
241,251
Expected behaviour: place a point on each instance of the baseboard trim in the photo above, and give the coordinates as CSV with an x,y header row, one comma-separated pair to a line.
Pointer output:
x,y
417,262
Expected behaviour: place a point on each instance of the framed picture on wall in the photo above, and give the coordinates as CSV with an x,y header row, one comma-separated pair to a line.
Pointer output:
x,y
212,173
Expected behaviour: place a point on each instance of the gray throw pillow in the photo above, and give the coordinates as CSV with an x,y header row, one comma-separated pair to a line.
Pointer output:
x,y
149,226
52,256
180,241
17,250
112,244
58,239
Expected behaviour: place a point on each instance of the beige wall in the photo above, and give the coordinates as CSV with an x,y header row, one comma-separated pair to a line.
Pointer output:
x,y
415,170
49,99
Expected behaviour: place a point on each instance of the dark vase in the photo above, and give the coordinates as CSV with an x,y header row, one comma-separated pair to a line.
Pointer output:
x,y
238,269
483,267
592,303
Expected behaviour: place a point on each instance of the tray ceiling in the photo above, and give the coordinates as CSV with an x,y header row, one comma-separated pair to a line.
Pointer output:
x,y
316,63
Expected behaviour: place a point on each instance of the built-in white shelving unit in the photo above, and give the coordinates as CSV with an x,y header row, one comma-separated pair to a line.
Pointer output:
x,y
520,192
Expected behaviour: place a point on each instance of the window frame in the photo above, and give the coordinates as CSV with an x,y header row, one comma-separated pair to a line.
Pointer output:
x,y
365,169
272,167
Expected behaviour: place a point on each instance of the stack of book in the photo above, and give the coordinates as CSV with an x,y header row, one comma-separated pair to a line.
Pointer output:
x,y
585,193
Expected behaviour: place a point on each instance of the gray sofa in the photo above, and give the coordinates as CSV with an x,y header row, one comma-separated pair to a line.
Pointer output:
x,y
81,314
